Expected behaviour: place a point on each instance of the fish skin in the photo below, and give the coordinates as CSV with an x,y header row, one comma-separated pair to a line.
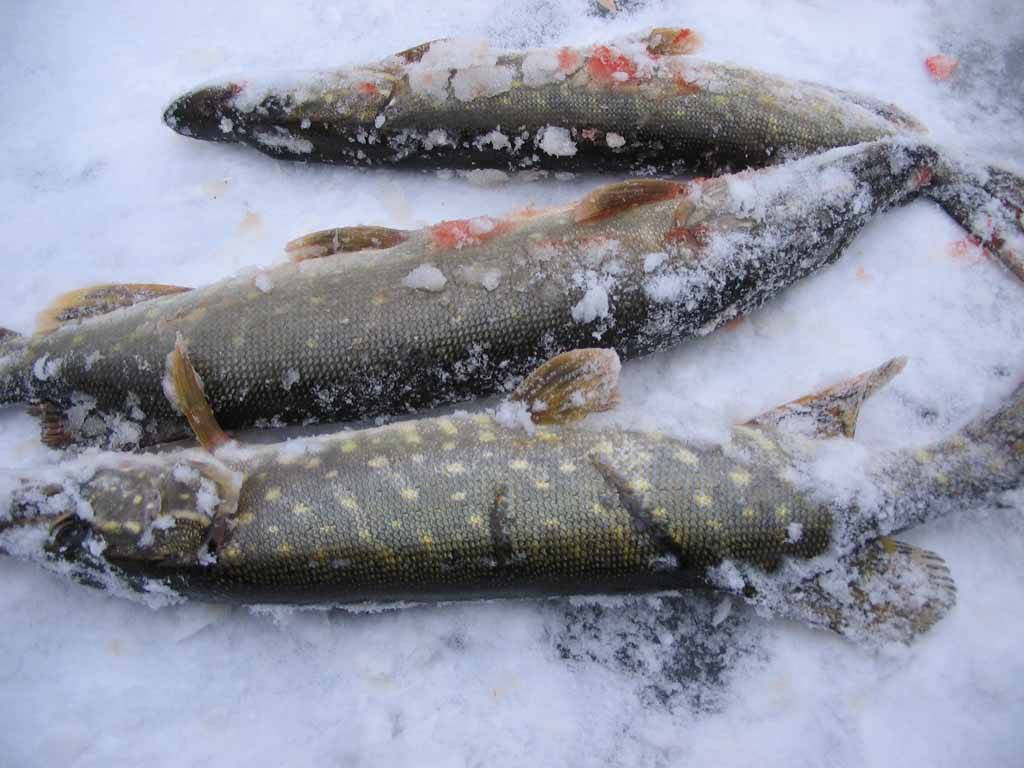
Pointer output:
x,y
345,337
465,507
615,107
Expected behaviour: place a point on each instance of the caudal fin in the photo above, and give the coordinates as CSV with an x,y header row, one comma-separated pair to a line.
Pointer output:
x,y
12,374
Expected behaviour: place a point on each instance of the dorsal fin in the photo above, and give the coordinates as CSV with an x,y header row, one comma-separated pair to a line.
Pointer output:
x,y
673,41
414,54
328,242
184,389
96,300
569,386
614,198
833,411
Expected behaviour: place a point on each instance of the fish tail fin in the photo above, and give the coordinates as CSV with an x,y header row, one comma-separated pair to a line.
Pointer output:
x,y
986,201
886,592
12,367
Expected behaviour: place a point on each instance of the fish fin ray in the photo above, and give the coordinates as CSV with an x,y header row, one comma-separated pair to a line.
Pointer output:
x,y
620,196
95,300
570,386
328,242
832,411
887,592
53,427
184,389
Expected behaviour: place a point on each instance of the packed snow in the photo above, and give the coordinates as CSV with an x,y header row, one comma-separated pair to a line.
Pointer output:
x,y
94,680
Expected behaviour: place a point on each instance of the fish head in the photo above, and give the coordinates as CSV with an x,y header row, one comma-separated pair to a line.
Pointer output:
x,y
138,516
282,112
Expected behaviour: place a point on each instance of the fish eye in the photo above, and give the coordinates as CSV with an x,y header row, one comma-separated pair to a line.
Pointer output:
x,y
67,533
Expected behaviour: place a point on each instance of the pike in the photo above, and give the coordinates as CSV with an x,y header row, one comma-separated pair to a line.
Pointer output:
x,y
482,506
368,321
639,104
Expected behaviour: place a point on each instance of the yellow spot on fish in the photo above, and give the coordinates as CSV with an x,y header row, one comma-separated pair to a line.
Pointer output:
x,y
567,468
237,341
519,465
183,496
313,463
781,513
458,496
702,499
603,447
137,499
410,494
348,502
273,494
380,298
687,457
748,513
552,522
396,524
410,435
364,534
348,446
455,468
548,437
923,456
485,436
740,477
447,427
272,529
331,475
312,343
284,549
599,508
476,520
427,539
378,462
300,509
639,484
232,552
482,419
659,513
448,446
110,526
542,485
132,527
245,518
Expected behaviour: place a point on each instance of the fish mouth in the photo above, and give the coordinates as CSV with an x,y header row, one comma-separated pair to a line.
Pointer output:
x,y
206,113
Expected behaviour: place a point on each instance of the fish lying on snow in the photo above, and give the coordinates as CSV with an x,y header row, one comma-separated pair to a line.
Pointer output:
x,y
636,104
493,506
373,321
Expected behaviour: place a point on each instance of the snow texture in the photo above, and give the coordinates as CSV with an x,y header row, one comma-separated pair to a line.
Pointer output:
x,y
91,680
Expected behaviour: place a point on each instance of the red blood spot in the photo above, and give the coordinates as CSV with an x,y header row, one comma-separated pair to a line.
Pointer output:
x,y
922,178
685,87
692,236
568,60
863,276
967,250
609,68
368,88
734,324
941,66
463,233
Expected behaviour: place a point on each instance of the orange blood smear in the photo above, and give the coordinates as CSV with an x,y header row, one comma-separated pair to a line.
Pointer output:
x,y
369,89
607,67
685,87
922,178
941,66
967,250
568,60
734,324
863,275
463,233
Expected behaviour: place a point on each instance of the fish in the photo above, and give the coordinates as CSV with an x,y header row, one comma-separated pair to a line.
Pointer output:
x,y
521,502
638,104
370,322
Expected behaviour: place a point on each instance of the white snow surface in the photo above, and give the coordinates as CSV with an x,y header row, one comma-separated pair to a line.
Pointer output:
x,y
96,189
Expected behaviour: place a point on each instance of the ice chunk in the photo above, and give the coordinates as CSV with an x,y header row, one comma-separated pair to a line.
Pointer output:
x,y
557,142
426,277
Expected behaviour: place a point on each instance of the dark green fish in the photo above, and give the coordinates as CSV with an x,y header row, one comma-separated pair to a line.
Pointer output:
x,y
483,506
375,322
638,104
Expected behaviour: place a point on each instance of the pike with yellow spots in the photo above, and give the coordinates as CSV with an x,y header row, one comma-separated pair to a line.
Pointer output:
x,y
479,507
640,103
372,321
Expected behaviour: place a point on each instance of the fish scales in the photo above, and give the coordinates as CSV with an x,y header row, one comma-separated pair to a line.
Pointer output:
x,y
354,336
620,107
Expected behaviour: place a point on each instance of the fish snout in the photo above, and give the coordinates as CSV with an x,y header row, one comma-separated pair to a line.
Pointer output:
x,y
207,113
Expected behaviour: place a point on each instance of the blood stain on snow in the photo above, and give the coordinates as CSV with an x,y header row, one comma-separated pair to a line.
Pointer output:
x,y
941,66
569,60
608,67
967,251
369,89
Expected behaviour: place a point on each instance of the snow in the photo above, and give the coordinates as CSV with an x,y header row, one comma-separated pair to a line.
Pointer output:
x,y
624,681
556,141
426,277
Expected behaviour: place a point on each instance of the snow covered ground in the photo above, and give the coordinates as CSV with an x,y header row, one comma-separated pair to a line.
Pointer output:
x,y
96,189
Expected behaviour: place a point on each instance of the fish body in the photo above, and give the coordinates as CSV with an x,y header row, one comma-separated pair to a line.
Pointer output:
x,y
461,309
464,507
639,104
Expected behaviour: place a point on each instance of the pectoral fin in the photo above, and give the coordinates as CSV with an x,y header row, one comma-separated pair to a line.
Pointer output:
x,y
615,198
328,242
888,592
184,389
569,386
832,411
99,300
